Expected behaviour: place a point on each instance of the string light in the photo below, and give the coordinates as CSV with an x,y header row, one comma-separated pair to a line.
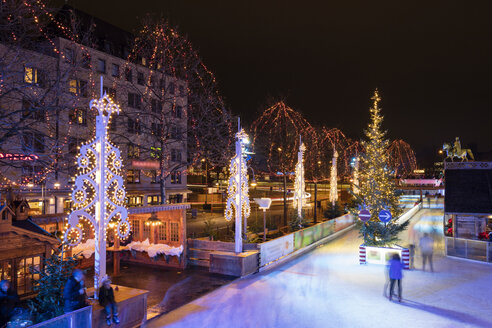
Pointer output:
x,y
401,158
299,185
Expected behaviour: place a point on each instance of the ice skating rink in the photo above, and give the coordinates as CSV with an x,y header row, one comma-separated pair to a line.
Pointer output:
x,y
328,288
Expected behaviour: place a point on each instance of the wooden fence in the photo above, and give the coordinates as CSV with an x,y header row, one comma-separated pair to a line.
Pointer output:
x,y
199,250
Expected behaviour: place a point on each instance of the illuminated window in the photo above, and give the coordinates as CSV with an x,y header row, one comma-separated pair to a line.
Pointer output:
x,y
175,177
153,200
78,87
162,232
134,201
133,151
133,176
174,231
136,228
78,116
32,76
73,86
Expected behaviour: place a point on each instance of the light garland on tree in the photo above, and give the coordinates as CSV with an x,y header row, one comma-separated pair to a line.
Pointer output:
x,y
333,179
401,158
238,190
99,194
299,184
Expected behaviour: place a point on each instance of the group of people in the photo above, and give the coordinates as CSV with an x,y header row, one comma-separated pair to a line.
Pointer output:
x,y
75,296
396,266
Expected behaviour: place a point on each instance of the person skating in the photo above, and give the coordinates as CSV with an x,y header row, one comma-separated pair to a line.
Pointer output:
x,y
106,300
395,275
427,248
74,292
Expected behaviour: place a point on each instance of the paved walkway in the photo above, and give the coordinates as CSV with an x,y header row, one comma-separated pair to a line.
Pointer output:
x,y
328,288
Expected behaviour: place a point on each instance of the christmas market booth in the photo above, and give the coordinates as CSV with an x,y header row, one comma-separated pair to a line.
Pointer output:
x,y
23,247
468,210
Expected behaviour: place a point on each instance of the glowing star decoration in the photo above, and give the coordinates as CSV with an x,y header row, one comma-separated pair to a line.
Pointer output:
x,y
299,185
238,198
99,194
333,179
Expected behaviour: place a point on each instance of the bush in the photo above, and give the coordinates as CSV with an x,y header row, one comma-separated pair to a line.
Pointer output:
x,y
333,211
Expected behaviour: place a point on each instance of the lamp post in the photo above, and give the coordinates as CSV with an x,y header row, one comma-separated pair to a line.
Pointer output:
x,y
238,195
98,195
264,204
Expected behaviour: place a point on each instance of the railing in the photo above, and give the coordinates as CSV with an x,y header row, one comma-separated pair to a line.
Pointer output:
x,y
469,249
81,318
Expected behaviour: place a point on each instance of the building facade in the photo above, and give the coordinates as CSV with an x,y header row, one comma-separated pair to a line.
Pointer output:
x,y
38,162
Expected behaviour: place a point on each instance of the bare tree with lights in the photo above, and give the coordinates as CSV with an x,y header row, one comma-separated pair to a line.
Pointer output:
x,y
176,110
276,138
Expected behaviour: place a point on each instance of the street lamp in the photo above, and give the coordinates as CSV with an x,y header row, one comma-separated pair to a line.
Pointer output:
x,y
264,204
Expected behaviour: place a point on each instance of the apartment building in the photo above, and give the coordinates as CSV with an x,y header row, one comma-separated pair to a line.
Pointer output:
x,y
38,163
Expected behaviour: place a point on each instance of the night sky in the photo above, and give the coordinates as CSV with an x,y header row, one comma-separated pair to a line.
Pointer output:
x,y
431,60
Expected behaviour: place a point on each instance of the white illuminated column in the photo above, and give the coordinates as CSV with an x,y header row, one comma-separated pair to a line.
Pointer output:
x,y
99,194
333,179
355,179
238,189
299,185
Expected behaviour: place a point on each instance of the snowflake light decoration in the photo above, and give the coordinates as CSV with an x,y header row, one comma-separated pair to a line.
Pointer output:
x,y
99,194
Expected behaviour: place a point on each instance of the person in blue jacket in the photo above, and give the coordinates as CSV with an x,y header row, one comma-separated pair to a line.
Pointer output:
x,y
395,275
74,292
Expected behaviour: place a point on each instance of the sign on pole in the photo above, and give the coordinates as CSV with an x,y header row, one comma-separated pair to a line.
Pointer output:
x,y
364,215
385,216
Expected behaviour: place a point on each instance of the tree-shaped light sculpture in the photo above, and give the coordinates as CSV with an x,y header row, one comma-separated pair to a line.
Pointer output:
x,y
355,178
333,179
238,197
99,194
299,184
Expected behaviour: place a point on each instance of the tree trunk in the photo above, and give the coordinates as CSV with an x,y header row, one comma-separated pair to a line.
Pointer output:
x,y
315,214
285,199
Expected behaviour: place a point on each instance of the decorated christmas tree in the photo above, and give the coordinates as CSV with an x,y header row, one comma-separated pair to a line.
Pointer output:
x,y
377,190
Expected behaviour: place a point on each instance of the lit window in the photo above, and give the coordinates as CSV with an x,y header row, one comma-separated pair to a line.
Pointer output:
x,y
133,176
162,231
31,75
73,86
133,151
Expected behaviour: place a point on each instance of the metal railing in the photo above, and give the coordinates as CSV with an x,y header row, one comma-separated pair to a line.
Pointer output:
x,y
469,249
81,318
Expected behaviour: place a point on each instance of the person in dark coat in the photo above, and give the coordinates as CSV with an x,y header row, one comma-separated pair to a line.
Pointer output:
x,y
395,275
106,300
8,302
74,292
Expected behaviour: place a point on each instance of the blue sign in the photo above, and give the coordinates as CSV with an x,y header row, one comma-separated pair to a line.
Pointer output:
x,y
385,216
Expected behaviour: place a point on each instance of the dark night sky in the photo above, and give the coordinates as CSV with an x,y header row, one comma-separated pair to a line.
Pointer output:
x,y
431,60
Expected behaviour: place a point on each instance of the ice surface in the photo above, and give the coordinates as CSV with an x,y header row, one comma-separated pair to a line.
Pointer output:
x,y
328,288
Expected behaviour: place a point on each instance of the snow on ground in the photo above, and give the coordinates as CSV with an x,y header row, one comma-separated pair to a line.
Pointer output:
x,y
328,288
